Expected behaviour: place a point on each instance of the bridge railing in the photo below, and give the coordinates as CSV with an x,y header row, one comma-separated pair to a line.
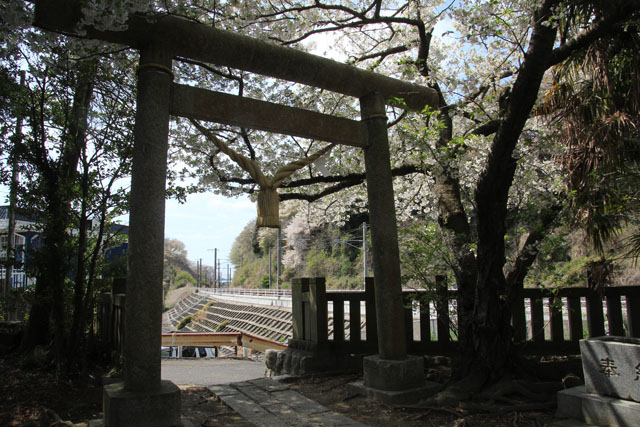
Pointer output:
x,y
544,321
251,292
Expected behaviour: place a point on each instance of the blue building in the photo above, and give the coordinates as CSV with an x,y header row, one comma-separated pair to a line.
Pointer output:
x,y
27,238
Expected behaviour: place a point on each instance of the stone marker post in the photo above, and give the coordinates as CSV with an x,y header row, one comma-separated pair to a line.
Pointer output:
x,y
390,375
143,399
384,230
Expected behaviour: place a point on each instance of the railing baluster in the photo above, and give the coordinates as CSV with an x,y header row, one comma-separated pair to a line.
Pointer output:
x,y
425,320
408,317
537,319
372,326
557,328
633,312
595,317
442,308
614,315
338,318
354,320
575,318
518,319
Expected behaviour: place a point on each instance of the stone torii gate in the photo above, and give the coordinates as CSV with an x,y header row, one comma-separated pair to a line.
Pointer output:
x,y
143,399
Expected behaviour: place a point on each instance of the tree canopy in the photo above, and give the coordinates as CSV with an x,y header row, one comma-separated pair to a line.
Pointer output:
x,y
506,151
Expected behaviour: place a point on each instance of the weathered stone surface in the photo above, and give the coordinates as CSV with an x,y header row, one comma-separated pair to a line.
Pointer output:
x,y
303,404
393,375
267,402
222,390
597,410
298,362
160,408
271,359
384,230
269,384
407,396
612,366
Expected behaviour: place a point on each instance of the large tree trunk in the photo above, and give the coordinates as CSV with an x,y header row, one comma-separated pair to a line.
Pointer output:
x,y
59,181
78,322
491,329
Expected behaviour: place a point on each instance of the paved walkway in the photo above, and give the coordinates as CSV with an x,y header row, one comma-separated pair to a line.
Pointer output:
x,y
206,372
267,402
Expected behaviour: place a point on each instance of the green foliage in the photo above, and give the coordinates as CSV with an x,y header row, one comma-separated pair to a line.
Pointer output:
x,y
251,274
264,282
566,274
424,255
183,278
222,325
184,322
344,282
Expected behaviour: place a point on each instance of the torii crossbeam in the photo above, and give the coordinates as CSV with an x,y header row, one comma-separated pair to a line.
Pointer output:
x,y
143,399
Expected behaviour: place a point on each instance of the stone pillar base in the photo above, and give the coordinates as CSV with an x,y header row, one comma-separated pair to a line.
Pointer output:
x,y
576,403
394,381
160,408
393,375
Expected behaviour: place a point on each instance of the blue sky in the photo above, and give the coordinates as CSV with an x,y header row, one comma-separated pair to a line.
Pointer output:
x,y
208,221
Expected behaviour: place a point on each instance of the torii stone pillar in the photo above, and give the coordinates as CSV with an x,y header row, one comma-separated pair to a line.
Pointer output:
x,y
391,374
143,399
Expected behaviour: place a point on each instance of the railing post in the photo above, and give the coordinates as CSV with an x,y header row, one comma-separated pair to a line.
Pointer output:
x,y
574,306
370,313
298,286
442,308
309,311
518,318
614,312
537,317
425,320
557,328
595,317
633,312
354,321
318,311
408,317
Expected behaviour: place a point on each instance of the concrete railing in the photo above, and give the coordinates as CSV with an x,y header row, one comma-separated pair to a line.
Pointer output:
x,y
251,292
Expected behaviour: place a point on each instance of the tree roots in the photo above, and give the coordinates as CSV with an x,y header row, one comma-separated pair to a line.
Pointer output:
x,y
506,396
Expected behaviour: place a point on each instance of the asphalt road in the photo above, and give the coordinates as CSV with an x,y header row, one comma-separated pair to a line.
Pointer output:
x,y
205,372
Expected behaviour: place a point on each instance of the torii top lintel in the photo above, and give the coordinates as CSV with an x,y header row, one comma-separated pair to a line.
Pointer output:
x,y
204,43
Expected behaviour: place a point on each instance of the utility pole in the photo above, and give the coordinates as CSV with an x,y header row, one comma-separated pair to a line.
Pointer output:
x,y
364,252
215,266
219,275
228,273
13,189
269,268
198,273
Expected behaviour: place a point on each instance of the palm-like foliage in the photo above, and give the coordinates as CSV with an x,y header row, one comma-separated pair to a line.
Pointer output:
x,y
595,100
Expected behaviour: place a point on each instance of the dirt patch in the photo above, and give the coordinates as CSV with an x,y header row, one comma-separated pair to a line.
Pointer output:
x,y
202,408
332,392
28,392
176,295
30,395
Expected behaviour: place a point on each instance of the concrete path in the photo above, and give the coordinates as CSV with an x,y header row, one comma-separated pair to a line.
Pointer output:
x,y
267,402
242,386
206,372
